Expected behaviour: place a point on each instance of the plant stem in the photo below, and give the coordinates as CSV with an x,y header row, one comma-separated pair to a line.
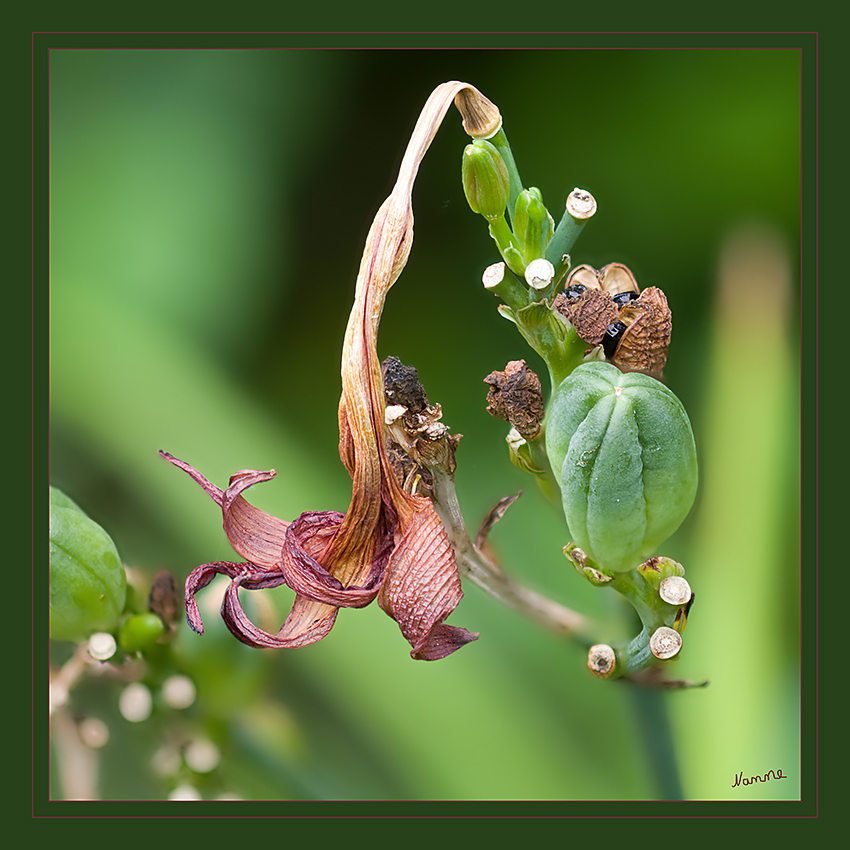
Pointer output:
x,y
489,576
564,238
500,142
650,709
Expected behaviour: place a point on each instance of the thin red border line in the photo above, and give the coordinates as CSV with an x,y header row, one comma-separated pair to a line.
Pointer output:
x,y
425,32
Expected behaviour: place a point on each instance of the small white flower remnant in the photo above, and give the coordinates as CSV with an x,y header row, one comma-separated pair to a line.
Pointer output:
x,y
178,692
665,642
135,703
102,646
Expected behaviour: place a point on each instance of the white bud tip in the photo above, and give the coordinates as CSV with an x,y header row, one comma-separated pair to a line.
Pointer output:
x,y
539,273
178,691
581,204
665,642
135,703
675,590
202,756
93,732
102,646
493,275
185,792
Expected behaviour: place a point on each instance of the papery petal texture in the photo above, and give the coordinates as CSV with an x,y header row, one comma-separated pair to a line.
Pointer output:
x,y
422,587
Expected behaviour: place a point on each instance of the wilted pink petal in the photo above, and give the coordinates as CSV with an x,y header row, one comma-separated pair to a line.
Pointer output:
x,y
422,587
308,578
198,579
257,536
305,624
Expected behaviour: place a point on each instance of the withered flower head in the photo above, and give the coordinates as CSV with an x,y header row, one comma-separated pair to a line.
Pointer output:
x,y
389,545
607,307
515,395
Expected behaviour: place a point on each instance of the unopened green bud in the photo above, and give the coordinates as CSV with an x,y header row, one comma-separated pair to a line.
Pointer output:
x,y
88,584
532,224
485,179
622,450
140,631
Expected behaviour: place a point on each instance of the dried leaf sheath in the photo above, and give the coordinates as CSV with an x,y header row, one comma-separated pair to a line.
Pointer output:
x,y
388,544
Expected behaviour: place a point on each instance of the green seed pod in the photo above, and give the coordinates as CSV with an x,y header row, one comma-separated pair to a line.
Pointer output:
x,y
532,224
485,179
140,631
623,452
88,585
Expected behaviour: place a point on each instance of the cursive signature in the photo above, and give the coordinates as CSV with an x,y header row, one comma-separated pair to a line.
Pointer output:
x,y
740,779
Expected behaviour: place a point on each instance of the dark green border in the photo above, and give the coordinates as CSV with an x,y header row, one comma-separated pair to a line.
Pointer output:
x,y
807,43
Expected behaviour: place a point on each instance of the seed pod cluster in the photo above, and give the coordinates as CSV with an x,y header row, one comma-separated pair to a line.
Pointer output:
x,y
606,307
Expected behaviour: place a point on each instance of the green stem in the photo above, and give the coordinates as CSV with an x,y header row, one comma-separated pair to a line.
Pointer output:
x,y
561,348
507,244
566,233
500,142
650,712
538,459
503,283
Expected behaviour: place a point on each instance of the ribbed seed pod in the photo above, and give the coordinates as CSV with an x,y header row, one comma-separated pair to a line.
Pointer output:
x,y
623,452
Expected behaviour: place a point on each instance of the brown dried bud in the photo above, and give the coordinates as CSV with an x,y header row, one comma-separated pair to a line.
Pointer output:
x,y
649,323
481,117
516,396
590,314
411,476
401,385
163,600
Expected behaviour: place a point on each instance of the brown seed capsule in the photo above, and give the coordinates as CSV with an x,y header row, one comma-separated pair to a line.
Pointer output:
x,y
615,278
590,314
634,326
649,323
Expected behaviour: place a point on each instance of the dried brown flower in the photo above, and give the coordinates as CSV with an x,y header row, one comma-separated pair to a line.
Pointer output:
x,y
516,396
389,545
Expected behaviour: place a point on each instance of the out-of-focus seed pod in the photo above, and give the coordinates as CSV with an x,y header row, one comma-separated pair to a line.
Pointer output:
x,y
623,452
140,632
485,179
88,585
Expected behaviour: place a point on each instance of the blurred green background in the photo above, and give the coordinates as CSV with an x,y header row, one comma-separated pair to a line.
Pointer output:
x,y
208,211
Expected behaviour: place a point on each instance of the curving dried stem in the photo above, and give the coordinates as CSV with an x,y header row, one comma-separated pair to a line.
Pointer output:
x,y
361,409
484,572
